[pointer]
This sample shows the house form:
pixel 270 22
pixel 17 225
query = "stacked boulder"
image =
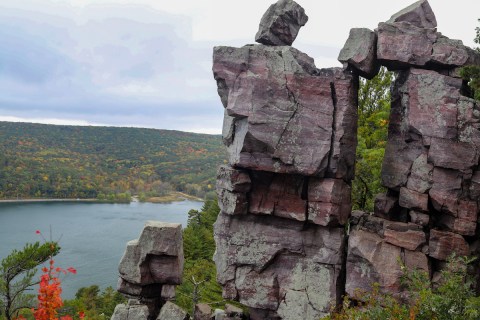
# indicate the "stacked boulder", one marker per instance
pixel 290 131
pixel 150 269
pixel 431 163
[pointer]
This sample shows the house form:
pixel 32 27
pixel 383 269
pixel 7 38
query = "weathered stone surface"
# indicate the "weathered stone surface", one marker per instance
pixel 419 218
pixel 329 201
pixel 171 311
pixel 371 260
pixel 452 154
pixel 159 243
pixel 419 14
pixel 359 52
pixel 233 311
pixel 457 225
pixel 234 180
pixel 475 186
pixel 280 24
pixel 405 235
pixel 341 164
pixel 131 311
pixel 268 258
pixel 283 109
pixel 413 200
pixel 202 312
pixel 278 194
pixel 232 202
pixel 442 244
pixel 421 175
pixel 168 292
pixel 402 45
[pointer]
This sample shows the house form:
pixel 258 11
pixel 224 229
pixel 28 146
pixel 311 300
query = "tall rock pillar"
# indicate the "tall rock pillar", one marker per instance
pixel 290 131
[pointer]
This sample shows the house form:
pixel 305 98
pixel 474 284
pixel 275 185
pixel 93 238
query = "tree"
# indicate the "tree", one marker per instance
pixel 17 273
pixel 472 73
pixel 373 117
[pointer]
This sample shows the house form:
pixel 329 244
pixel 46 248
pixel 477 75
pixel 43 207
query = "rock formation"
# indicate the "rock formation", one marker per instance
pixel 290 133
pixel 150 269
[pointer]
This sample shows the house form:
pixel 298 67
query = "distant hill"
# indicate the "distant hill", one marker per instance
pixel 51 161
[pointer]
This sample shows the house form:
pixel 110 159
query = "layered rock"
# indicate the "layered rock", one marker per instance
pixel 285 195
pixel 430 209
pixel 290 133
pixel 150 268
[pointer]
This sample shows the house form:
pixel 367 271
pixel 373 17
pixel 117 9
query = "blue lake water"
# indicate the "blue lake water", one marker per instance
pixel 92 236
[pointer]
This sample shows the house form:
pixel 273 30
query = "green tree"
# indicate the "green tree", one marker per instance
pixel 373 117
pixel 199 277
pixel 472 73
pixel 17 273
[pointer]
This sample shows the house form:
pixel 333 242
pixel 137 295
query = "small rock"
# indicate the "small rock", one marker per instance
pixel 443 244
pixel 419 14
pixel 171 311
pixel 413 200
pixel 280 23
pixel 202 312
pixel 419 218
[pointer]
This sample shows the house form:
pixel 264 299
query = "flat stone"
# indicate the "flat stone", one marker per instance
pixel 359 52
pixel 419 14
pixel 401 45
pixel 280 23
pixel 413 200
pixel 457 225
pixel 443 244
pixel 405 235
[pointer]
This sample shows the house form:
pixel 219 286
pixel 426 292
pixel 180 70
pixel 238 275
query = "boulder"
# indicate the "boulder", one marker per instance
pixel 359 52
pixel 202 312
pixel 284 111
pixel 171 311
pixel 419 218
pixel 156 257
pixel 421 175
pixel 280 23
pixel 419 14
pixel 443 244
pixel 405 235
pixel 133 310
pixel 413 200
pixel 265 262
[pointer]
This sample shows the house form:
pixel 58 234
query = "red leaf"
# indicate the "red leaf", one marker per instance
pixel 72 270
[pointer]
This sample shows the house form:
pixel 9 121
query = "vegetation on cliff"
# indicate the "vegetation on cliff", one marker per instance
pixel 49 161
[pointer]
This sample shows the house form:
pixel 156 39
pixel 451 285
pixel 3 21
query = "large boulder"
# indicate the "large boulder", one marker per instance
pixel 280 24
pixel 285 111
pixel 359 52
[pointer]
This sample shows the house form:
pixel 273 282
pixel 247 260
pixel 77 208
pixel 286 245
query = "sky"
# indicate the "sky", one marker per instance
pixel 147 63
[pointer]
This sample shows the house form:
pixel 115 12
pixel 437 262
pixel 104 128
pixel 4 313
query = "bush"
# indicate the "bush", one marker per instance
pixel 450 298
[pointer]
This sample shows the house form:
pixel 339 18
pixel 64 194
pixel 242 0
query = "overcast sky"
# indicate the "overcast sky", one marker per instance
pixel 147 63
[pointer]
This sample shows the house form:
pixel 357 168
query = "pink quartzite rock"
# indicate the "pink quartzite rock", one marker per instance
pixel 458 225
pixel 359 52
pixel 402 45
pixel 154 259
pixel 278 194
pixel 413 200
pixel 267 263
pixel 405 235
pixel 419 14
pixel 443 244
pixel 280 24
pixel 329 201
pixel 421 175
pixel 232 187
pixel 284 111
pixel 385 206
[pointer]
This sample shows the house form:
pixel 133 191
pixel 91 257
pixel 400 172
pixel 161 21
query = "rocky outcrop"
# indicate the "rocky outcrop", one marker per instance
pixel 150 268
pixel 430 209
pixel 290 132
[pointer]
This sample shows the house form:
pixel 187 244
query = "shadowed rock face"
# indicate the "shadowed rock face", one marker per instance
pixel 290 132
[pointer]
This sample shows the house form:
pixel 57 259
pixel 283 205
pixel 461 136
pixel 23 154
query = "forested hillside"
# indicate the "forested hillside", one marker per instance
pixel 51 161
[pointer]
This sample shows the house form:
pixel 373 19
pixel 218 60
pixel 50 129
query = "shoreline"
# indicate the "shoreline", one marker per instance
pixel 174 197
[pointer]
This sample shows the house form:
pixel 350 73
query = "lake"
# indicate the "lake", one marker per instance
pixel 92 236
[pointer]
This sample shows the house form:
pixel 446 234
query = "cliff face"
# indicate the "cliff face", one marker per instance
pixel 290 132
